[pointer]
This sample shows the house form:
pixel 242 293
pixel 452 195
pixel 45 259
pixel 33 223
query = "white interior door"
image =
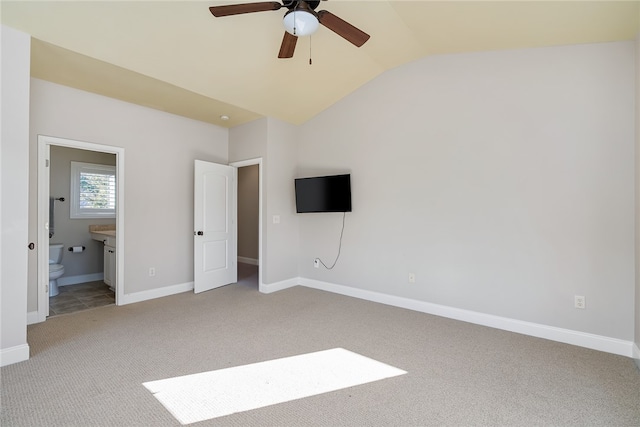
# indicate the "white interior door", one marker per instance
pixel 215 234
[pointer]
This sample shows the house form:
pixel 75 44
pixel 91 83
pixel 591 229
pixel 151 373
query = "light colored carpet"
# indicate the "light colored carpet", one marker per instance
pixel 87 368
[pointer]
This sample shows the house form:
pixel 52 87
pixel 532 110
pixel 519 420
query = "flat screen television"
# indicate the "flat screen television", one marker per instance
pixel 323 194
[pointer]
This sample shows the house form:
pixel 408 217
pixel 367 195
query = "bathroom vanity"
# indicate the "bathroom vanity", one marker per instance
pixel 108 238
pixel 110 262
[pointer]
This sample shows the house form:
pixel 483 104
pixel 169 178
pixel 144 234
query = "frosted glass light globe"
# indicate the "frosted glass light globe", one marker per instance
pixel 300 23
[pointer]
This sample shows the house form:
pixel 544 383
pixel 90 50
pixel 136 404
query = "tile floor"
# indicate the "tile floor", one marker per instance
pixel 97 294
pixel 81 297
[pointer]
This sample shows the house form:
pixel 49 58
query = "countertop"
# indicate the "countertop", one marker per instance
pixel 102 230
pixel 110 233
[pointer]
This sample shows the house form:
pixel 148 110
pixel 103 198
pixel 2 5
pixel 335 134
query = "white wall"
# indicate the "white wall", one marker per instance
pixel 282 152
pixel 160 150
pixel 503 180
pixel 276 143
pixel 247 142
pixel 14 150
pixel 637 165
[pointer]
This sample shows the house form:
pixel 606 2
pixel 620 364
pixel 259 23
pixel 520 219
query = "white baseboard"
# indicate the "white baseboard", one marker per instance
pixel 11 355
pixel 278 286
pixel 246 260
pixel 83 278
pixel 155 293
pixel 582 339
pixel 636 352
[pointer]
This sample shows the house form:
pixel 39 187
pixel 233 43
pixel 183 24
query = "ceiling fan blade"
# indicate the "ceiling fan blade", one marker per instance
pixel 237 9
pixel 288 45
pixel 342 28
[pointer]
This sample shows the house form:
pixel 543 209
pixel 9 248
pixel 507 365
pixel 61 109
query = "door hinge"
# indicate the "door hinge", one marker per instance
pixel 46 288
pixel 46 163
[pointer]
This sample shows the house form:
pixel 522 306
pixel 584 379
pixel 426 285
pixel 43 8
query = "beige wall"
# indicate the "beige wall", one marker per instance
pixel 248 211
pixel 75 232
pixel 159 154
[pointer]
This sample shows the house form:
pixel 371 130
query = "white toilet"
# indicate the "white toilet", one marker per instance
pixel 56 269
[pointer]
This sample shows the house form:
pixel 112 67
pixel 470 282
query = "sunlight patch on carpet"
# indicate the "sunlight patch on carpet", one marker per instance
pixel 199 397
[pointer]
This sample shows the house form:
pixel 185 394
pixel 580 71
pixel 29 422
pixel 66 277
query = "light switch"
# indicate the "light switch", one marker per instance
pixel 276 219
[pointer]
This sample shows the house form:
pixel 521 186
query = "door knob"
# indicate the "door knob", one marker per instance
pixel 200 233
pixel 31 246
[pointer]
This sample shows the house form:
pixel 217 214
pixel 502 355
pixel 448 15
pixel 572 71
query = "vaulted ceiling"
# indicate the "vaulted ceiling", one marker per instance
pixel 176 57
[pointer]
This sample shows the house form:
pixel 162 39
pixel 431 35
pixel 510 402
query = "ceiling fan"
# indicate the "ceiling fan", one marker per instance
pixel 300 20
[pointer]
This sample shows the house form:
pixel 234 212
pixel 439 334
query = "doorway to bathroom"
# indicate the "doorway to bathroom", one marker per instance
pixel 79 246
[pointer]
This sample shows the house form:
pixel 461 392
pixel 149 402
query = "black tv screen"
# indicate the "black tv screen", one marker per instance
pixel 323 194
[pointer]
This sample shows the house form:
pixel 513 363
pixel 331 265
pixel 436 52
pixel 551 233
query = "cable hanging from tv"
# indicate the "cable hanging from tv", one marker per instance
pixel 344 215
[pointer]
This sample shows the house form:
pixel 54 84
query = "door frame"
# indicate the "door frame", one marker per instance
pixel 44 144
pixel 251 162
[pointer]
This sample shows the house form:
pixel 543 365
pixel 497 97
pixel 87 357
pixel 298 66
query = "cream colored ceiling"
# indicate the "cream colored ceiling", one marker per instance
pixel 175 56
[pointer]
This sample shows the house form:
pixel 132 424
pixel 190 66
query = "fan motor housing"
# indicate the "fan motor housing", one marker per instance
pixel 291 4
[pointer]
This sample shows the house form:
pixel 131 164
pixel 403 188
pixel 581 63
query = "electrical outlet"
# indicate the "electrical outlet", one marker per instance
pixel 579 302
pixel 412 277
pixel 316 263
pixel 152 272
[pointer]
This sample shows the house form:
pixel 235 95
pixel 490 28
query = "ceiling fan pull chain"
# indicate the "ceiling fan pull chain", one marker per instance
pixel 294 23
pixel 310 63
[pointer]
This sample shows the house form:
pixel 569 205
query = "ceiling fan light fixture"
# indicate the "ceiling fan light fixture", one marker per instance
pixel 300 23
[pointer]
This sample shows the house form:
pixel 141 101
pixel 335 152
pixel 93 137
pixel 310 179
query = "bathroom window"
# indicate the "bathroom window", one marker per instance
pixel 93 190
